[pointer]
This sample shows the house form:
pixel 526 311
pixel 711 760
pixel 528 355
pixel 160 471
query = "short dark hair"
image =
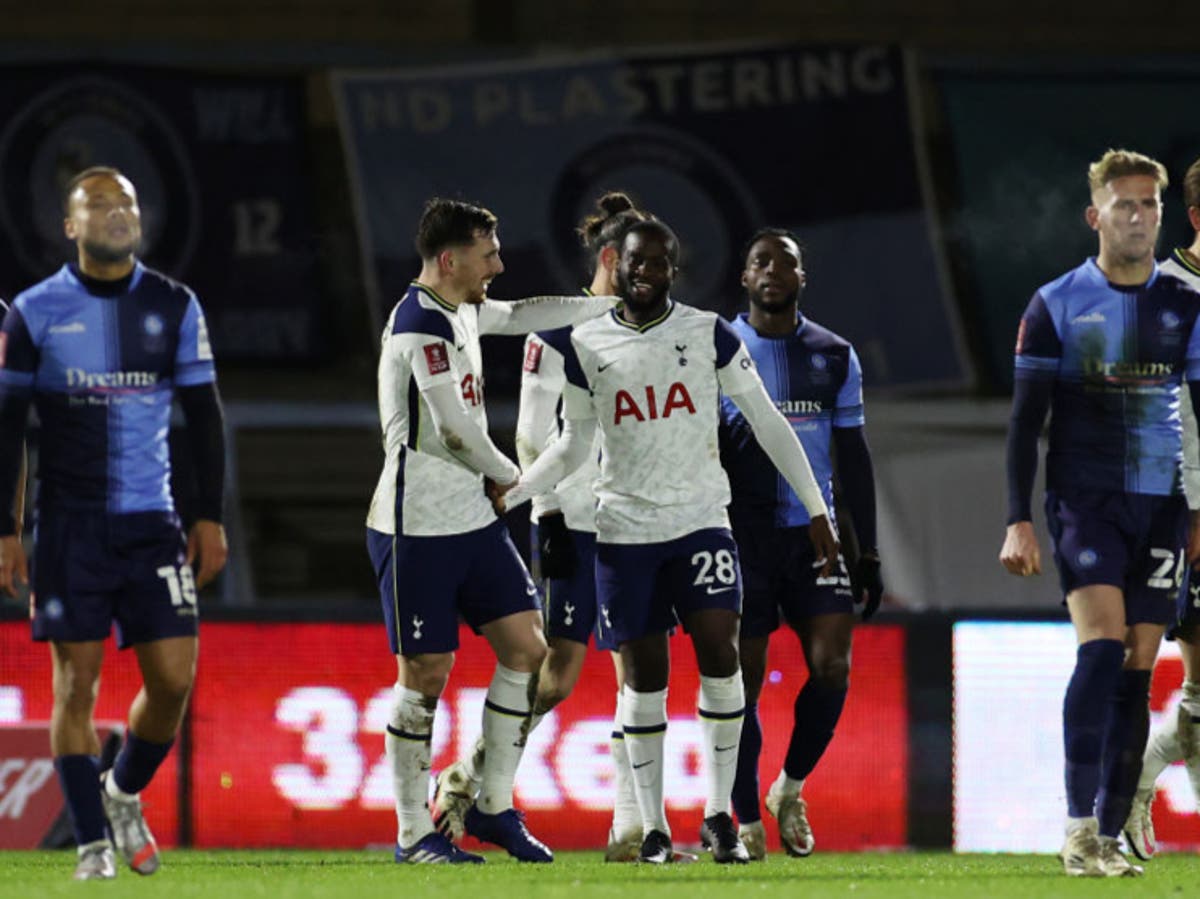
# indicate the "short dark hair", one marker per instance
pixel 781 233
pixel 80 177
pixel 615 213
pixel 660 230
pixel 1191 185
pixel 451 223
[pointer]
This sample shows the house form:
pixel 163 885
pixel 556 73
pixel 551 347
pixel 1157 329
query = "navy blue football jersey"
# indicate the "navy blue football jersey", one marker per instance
pixel 102 371
pixel 1117 356
pixel 815 379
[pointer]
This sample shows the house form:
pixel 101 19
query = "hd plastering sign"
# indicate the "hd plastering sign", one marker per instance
pixel 817 139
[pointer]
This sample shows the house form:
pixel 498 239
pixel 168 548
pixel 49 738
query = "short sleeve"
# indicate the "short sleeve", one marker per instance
pixel 193 358
pixel 849 410
pixel 572 370
pixel 18 353
pixel 544 365
pixel 428 358
pixel 738 373
pixel 1039 345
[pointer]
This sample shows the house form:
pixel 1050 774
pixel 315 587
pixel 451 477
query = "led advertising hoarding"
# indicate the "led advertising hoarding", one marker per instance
pixel 286 745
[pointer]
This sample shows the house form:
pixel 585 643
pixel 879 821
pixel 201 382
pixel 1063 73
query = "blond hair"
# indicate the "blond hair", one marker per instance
pixel 1119 163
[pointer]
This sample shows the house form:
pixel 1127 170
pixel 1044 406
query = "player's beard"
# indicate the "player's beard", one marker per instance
pixel 476 295
pixel 624 289
pixel 774 307
pixel 110 253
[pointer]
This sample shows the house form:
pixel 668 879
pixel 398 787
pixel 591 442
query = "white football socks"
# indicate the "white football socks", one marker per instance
pixel 505 726
pixel 644 720
pixel 626 815
pixel 722 707
pixel 409 732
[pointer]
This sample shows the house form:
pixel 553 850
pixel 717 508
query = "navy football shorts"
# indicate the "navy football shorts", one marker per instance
pixel 1187 606
pixel 1131 541
pixel 426 583
pixel 779 579
pixel 92 568
pixel 571 611
pixel 646 588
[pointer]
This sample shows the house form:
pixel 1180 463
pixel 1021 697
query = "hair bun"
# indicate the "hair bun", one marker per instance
pixel 614 202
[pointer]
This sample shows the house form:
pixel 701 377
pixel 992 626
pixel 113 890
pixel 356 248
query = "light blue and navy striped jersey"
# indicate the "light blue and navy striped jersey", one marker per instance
pixel 101 365
pixel 815 379
pixel 1116 355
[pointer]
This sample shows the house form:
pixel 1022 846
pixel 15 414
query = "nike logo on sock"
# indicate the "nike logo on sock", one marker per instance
pixel 726 748
pixel 642 765
pixel 600 368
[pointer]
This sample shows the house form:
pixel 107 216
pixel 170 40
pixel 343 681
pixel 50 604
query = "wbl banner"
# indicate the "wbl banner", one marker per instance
pixel 813 138
pixel 287 746
pixel 218 162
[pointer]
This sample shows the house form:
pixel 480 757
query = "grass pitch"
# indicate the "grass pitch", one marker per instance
pixel 583 875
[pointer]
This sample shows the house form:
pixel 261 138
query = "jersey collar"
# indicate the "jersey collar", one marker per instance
pixel 801 324
pixel 1180 257
pixel 642 329
pixel 433 295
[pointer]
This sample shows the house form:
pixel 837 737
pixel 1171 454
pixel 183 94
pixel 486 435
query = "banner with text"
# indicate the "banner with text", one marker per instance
pixel 288 720
pixel 218 163
pixel 718 144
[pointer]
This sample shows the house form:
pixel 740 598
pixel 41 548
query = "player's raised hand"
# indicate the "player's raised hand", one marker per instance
pixel 867 579
pixel 206 542
pixel 825 544
pixel 556 550
pixel 1021 554
pixel 13 569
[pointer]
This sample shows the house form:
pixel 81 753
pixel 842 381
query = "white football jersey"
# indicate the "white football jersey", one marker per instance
pixel 544 370
pixel 654 390
pixel 423 490
pixel 1179 266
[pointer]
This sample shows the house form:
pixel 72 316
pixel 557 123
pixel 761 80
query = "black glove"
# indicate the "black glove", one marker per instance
pixel 555 547
pixel 866 579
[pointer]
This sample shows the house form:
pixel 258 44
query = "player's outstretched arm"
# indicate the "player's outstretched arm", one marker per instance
pixel 539 313
pixel 565 455
pixel 463 437
pixel 786 453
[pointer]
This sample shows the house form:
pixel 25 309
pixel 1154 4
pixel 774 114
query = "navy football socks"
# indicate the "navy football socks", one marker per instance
pixel 1085 710
pixel 817 710
pixel 137 761
pixel 1125 734
pixel 79 777
pixel 745 784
